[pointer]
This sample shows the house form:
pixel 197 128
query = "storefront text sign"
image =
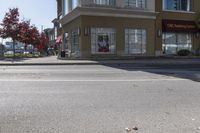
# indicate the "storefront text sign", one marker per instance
pixel 179 26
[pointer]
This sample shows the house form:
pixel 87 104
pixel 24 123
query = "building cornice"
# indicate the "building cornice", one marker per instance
pixel 54 20
pixel 107 12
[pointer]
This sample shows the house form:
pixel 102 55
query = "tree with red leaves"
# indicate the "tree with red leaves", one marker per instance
pixel 25 33
pixel 30 35
pixel 43 42
pixel 35 36
pixel 22 31
pixel 10 26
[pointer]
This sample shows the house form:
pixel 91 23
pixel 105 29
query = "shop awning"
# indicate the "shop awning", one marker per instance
pixel 179 26
pixel 59 40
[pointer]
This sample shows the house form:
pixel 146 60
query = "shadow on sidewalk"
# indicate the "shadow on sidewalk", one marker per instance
pixel 13 59
pixel 18 59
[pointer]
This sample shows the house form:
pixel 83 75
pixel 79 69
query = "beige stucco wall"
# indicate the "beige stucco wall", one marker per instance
pixel 76 23
pixel 119 24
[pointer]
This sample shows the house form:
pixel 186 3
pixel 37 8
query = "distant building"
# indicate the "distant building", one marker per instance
pixel 53 33
pixel 107 28
pixel 19 47
pixel 51 36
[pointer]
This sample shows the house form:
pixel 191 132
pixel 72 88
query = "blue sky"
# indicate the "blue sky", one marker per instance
pixel 40 12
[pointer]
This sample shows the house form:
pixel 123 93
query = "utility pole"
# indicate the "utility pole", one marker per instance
pixel 41 28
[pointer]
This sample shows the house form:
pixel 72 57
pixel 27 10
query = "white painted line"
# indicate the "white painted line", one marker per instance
pixel 100 80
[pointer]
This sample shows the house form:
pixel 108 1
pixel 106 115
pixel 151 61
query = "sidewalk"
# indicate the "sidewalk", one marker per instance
pixel 52 60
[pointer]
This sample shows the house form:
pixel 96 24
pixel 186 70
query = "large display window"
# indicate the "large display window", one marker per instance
pixel 103 40
pixel 135 41
pixel 75 41
pixel 173 42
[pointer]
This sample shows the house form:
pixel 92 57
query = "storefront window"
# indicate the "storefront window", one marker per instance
pixel 177 5
pixel 66 6
pixel 173 42
pixel 75 41
pixel 105 2
pixel 75 3
pixel 66 40
pixel 69 5
pixel 103 40
pixel 56 32
pixel 135 41
pixel 136 3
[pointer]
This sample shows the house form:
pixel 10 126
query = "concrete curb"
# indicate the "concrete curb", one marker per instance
pixel 140 63
pixel 43 64
pixel 136 61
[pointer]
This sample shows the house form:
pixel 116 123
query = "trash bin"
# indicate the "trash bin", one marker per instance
pixel 62 54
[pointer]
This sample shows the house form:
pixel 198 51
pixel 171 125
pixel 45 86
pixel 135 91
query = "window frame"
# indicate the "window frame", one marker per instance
pixel 75 41
pixel 127 45
pixel 75 3
pixel 112 45
pixel 105 2
pixel 189 7
pixel 176 42
pixel 143 6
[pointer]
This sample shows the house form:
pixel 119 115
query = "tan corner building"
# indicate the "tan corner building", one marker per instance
pixel 109 28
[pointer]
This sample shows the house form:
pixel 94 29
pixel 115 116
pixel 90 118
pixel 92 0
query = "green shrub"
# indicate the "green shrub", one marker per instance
pixel 183 52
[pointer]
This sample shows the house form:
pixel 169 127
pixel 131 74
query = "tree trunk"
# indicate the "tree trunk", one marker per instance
pixel 13 48
pixel 25 47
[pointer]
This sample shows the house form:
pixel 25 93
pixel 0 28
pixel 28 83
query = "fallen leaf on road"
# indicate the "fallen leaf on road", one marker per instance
pixel 128 129
pixel 135 128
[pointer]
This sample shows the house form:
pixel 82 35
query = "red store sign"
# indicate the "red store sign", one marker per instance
pixel 179 26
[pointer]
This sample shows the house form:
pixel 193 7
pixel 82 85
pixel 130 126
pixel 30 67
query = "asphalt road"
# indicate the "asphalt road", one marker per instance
pixel 99 99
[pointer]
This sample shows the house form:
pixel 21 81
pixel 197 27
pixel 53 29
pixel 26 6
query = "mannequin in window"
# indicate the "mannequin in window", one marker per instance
pixel 103 43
